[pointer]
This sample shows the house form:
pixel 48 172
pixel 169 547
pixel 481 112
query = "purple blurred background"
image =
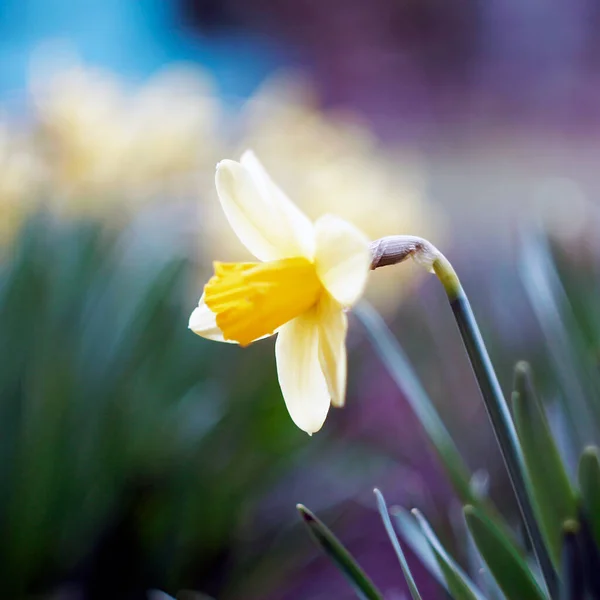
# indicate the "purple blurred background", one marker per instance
pixel 499 101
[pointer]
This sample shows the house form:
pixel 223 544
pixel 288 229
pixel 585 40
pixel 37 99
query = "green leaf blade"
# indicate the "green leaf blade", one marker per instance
pixel 387 522
pixel 363 586
pixel 459 584
pixel 502 557
pixel 413 536
pixel 401 371
pixel 553 496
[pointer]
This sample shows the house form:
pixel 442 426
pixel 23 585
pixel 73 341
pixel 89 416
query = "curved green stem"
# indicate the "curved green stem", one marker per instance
pixel 402 247
pixel 503 426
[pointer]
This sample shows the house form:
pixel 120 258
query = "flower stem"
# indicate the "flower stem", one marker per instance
pixel 502 424
pixel 497 408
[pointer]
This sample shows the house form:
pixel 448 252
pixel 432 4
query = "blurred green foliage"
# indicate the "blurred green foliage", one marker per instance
pixel 135 455
pixel 130 451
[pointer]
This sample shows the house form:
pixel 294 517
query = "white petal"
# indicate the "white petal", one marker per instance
pixel 301 378
pixel 342 258
pixel 267 222
pixel 333 326
pixel 204 322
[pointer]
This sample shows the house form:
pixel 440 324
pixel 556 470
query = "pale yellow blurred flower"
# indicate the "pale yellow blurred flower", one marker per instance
pixel 173 129
pixel 108 145
pixel 309 276
pixel 331 163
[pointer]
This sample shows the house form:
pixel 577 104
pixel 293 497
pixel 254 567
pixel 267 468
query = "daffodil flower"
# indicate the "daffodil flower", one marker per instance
pixel 309 276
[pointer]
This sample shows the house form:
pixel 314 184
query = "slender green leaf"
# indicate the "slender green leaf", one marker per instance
pixel 459 584
pixel 418 543
pixel 572 581
pixel 361 583
pixel 502 557
pixel 398 366
pixel 589 485
pixel 387 522
pixel 553 497
pixel 577 377
pixel 481 574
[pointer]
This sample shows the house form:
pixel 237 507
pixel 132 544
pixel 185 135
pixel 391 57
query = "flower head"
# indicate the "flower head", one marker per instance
pixel 308 276
pixel 332 162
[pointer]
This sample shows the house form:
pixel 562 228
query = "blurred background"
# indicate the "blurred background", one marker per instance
pixel 135 456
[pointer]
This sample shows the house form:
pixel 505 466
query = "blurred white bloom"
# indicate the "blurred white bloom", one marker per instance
pixel 105 142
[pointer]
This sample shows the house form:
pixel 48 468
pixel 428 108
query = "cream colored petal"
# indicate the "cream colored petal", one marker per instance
pixel 342 258
pixel 333 326
pixel 262 216
pixel 301 378
pixel 204 323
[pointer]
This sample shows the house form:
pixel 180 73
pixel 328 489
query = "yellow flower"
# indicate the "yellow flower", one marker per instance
pixel 309 275
pixel 334 163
